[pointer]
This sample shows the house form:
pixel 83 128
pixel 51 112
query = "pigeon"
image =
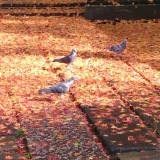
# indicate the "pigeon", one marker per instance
pixel 118 49
pixel 59 88
pixel 69 59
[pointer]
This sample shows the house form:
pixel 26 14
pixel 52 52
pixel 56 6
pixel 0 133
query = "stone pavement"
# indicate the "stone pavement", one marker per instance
pixel 59 135
pixel 11 143
pixel 129 122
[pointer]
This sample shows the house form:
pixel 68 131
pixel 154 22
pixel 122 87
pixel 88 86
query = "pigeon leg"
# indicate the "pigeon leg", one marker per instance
pixel 61 96
pixel 69 66
pixel 117 56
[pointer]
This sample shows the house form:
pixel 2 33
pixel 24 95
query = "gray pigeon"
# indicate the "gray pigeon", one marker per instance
pixel 59 88
pixel 118 49
pixel 68 59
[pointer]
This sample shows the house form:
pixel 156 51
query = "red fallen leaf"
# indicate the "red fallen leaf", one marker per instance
pixel 52 157
pixel 44 145
pixel 9 132
pixel 127 120
pixel 21 150
pixel 152 100
pixel 120 143
pixel 105 126
pixel 112 69
pixel 1 112
pixel 18 118
pixel 21 145
pixel 131 138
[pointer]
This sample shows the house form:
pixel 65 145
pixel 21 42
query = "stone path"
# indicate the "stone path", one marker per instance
pixel 123 125
pixel 62 135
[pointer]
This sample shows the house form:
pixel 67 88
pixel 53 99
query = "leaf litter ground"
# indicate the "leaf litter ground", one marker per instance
pixel 28 46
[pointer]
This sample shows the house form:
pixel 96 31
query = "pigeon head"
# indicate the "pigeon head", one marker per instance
pixel 70 81
pixel 73 78
pixel 125 41
pixel 74 50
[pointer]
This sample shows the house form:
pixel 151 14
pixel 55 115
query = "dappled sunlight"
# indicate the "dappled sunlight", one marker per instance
pixel 52 34
pixel 143 40
pixel 43 39
pixel 29 73
pixel 150 73
pixel 27 51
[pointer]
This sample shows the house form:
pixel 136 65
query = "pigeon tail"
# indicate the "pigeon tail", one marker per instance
pixel 109 48
pixel 46 90
pixel 57 60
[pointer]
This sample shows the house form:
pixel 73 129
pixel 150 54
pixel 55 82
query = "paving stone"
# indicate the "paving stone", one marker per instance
pixel 60 133
pixel 149 112
pixel 68 141
pixel 148 72
pixel 34 123
pixel 8 143
pixel 119 129
pixel 143 155
pixel 134 87
pixel 8 127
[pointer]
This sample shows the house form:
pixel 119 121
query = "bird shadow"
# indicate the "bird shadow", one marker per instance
pixel 41 99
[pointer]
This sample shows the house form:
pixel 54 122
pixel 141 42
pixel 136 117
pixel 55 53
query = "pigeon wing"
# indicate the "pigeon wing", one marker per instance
pixel 65 59
pixel 60 88
pixel 116 48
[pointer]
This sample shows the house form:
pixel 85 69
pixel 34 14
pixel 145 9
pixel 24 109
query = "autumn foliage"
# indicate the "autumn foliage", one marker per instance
pixel 28 46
